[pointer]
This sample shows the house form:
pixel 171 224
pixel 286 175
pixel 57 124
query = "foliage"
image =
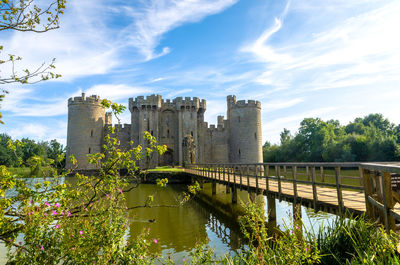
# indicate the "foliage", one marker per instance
pixel 355 241
pixel 372 138
pixel 28 153
pixel 33 16
pixel 55 221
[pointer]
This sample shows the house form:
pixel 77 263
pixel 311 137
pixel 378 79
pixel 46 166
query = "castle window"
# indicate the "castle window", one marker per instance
pixel 168 133
pixel 191 133
pixel 89 150
pixel 191 115
pixel 151 133
pixel 255 135
pixel 239 153
pixel 91 133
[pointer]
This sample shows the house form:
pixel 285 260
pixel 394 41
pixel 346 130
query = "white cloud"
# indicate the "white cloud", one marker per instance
pixel 359 50
pixel 280 104
pixel 41 132
pixel 117 91
pixel 158 17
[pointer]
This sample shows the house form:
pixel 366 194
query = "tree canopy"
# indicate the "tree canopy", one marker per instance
pixel 372 138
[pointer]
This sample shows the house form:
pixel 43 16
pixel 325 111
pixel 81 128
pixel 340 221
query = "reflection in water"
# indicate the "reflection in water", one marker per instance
pixel 179 229
pixel 211 219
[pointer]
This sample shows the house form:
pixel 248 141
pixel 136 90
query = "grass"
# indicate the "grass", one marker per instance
pixel 20 171
pixel 166 169
pixel 26 172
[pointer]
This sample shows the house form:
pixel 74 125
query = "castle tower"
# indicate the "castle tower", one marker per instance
pixel 145 117
pixel 245 139
pixel 86 120
pixel 189 112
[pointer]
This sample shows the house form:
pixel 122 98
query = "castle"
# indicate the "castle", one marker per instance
pixel 179 124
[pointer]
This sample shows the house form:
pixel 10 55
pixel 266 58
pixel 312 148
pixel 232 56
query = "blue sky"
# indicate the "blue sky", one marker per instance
pixel 335 59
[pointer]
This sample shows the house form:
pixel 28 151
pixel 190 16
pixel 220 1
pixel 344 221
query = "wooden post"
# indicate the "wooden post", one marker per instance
pixel 314 189
pixel 388 201
pixel 308 173
pixel 266 172
pixel 228 189
pixel 294 174
pixel 248 178
pixel 214 187
pixel 224 172
pixel 234 194
pixel 322 174
pixel 339 190
pixel 240 177
pixel 297 221
pixel 252 196
pixel 278 175
pixel 219 172
pixel 255 168
pixel 368 191
pixel 360 172
pixel 271 209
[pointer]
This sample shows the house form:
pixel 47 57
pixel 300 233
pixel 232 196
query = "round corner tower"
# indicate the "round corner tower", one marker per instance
pixel 245 139
pixel 86 120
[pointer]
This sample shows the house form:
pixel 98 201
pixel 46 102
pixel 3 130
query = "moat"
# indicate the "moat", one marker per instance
pixel 179 229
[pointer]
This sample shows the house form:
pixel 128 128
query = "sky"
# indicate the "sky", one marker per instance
pixel 333 59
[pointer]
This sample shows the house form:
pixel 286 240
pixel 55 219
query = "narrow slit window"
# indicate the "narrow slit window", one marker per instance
pixel 151 133
pixel 191 133
pixel 168 133
pixel 239 153
pixel 255 135
pixel 89 150
pixel 91 133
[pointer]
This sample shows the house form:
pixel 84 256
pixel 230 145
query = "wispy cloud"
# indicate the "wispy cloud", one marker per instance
pixel 360 50
pixel 155 18
pixel 117 91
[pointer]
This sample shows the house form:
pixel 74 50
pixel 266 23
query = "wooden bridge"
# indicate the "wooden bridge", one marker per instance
pixel 357 188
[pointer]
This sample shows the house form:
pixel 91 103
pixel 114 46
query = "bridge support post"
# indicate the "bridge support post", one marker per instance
pixel 388 203
pixel 271 209
pixel 234 194
pixel 201 182
pixel 368 191
pixel 214 187
pixel 252 196
pixel 297 221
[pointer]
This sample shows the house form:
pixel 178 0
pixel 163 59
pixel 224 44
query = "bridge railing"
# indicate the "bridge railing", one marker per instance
pixel 374 180
pixel 382 183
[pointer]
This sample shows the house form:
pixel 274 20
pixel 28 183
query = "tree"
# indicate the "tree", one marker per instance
pixel 24 16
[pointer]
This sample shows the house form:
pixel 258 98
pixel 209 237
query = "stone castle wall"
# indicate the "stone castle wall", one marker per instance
pixel 86 120
pixel 236 139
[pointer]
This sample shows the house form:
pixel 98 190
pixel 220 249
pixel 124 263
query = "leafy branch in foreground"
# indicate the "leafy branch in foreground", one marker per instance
pixel 24 16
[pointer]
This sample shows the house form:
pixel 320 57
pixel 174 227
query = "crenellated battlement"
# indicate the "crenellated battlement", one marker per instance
pixel 141 102
pixel 247 104
pixel 156 102
pixel 213 128
pixel 189 103
pixel 93 99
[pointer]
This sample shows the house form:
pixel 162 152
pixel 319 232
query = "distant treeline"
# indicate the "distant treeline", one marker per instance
pixel 27 150
pixel 372 138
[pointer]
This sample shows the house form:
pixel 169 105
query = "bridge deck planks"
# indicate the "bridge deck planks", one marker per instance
pixel 352 200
